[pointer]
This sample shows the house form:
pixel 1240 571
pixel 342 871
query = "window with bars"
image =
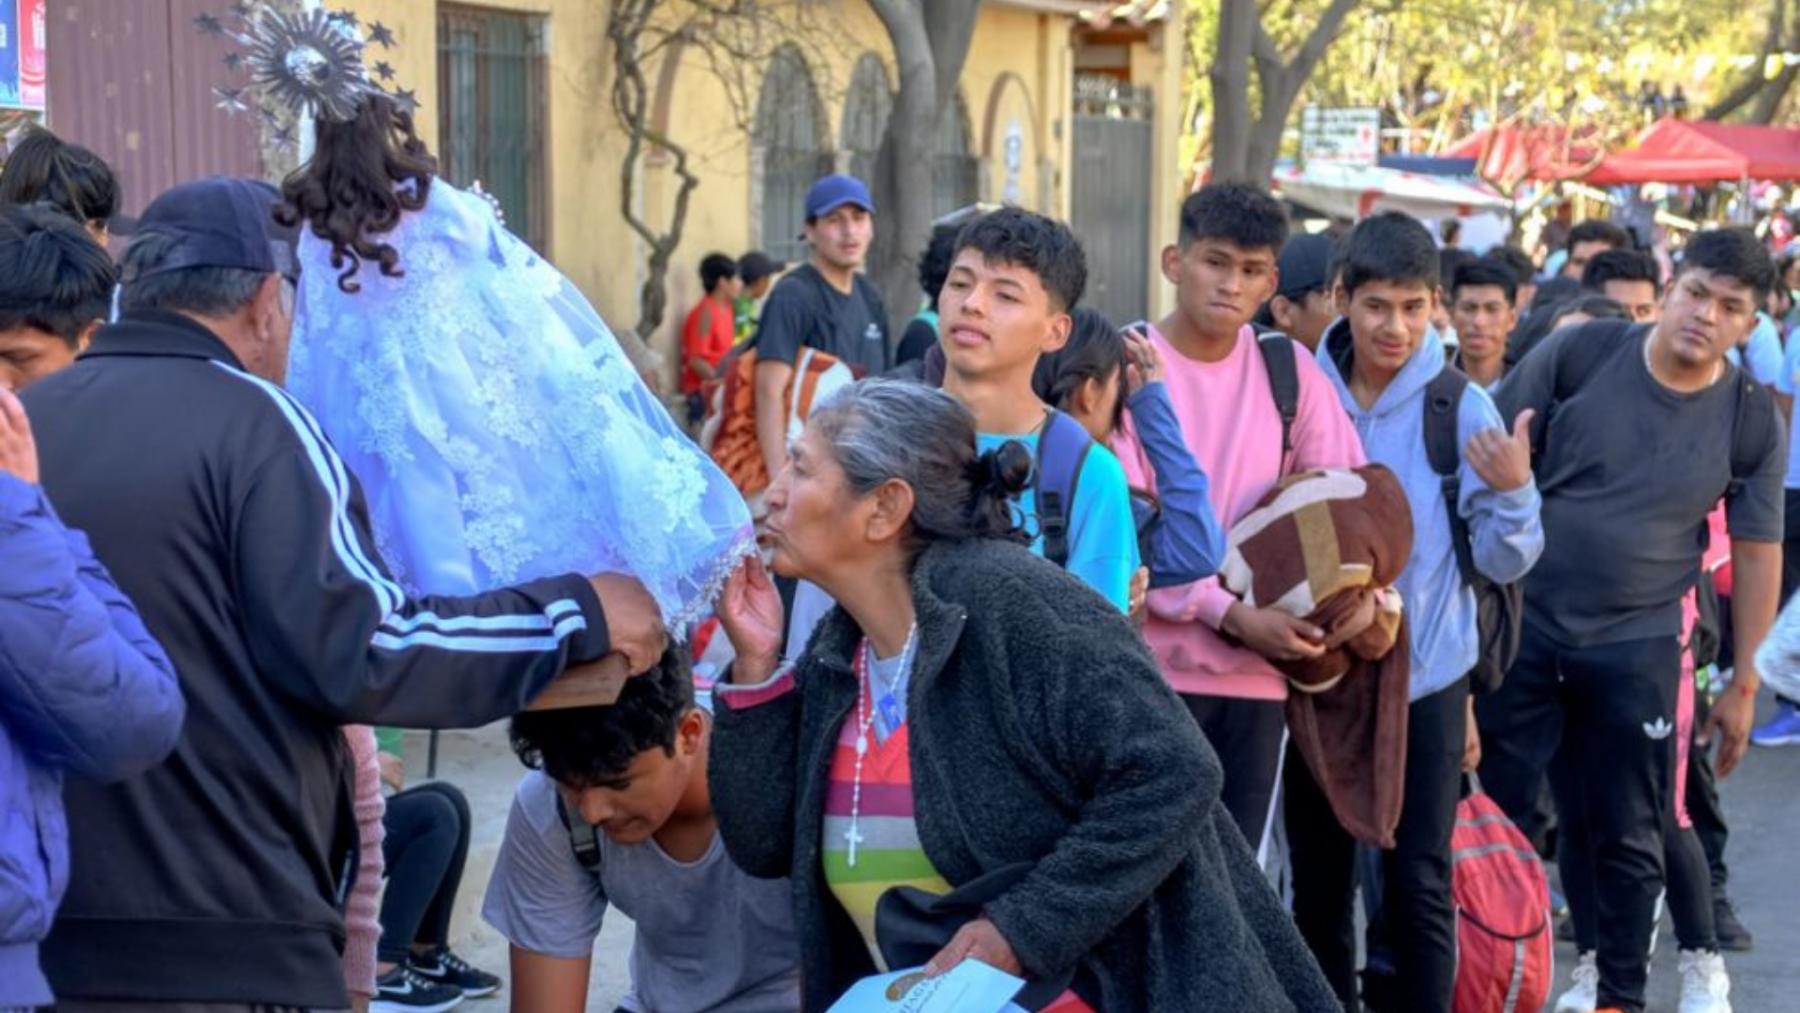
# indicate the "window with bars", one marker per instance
pixel 794 154
pixel 956 171
pixel 491 114
pixel 866 111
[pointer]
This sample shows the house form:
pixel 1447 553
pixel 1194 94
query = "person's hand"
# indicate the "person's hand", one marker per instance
pixel 1140 587
pixel 18 451
pixel 1273 634
pixel 1503 461
pixel 1143 363
pixel 1471 742
pixel 1729 724
pixel 982 941
pixel 633 621
pixel 393 770
pixel 751 614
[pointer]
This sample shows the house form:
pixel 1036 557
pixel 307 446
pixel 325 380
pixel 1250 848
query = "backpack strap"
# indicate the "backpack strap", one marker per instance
pixel 1749 431
pixel 583 838
pixel 1442 409
pixel 1062 450
pixel 1284 385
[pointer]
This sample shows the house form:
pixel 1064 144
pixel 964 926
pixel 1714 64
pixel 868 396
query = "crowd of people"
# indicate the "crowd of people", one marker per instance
pixel 1024 636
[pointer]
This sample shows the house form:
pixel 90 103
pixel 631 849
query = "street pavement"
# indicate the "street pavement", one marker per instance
pixel 1762 802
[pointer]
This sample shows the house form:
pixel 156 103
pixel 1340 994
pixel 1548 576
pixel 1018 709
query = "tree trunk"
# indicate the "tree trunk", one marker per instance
pixel 931 43
pixel 1230 76
pixel 1250 148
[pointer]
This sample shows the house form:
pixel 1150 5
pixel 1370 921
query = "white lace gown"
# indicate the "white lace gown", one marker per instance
pixel 498 430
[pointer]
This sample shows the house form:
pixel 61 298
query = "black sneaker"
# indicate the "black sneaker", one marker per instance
pixel 446 968
pixel 404 991
pixel 1731 932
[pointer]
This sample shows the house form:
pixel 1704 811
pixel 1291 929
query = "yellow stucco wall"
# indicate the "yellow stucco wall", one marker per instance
pixel 1016 81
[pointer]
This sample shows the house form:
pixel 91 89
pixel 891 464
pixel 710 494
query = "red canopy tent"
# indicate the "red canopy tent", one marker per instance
pixel 1679 151
pixel 1512 154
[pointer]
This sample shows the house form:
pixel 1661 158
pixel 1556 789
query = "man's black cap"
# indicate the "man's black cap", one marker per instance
pixel 221 221
pixel 757 265
pixel 1303 264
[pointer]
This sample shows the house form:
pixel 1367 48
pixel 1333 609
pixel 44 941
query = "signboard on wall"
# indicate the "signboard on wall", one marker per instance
pixel 1340 136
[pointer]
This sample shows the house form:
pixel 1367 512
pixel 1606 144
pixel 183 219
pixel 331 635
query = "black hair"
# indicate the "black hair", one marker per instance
pixel 1037 243
pixel 1515 260
pixel 934 263
pixel 1553 291
pixel 1485 272
pixel 714 268
pixel 1390 247
pixel 881 429
pixel 363 174
pixel 1449 259
pixel 1620 265
pixel 1594 307
pixel 1541 321
pixel 1095 351
pixel 592 747
pixel 1238 213
pixel 206 291
pixel 44 167
pixel 1334 265
pixel 1596 230
pixel 53 276
pixel 1732 253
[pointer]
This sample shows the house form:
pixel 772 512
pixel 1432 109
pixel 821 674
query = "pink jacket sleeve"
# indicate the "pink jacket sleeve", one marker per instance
pixel 361 914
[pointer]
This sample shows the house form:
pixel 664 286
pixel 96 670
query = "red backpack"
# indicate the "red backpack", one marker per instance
pixel 1503 927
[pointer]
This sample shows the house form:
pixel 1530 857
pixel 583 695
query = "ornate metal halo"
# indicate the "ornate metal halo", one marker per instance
pixel 309 62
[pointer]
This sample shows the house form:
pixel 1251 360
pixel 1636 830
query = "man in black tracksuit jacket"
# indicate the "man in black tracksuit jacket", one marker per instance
pixel 220 507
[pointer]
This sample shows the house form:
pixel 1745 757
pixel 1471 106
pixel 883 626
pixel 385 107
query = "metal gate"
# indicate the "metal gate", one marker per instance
pixel 1110 198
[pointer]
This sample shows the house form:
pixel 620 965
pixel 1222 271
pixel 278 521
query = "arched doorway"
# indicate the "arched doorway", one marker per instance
pixel 956 171
pixel 866 109
pixel 791 142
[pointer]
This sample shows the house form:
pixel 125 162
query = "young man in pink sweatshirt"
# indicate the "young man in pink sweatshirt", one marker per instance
pixel 1213 648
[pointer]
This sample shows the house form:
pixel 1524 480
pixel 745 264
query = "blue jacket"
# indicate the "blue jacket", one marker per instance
pixel 1186 543
pixel 1507 533
pixel 83 689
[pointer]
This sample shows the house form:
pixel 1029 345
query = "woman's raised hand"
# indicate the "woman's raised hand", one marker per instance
pixel 751 613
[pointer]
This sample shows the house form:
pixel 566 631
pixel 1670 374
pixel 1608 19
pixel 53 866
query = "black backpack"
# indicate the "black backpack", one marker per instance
pixel 1499 608
pixel 1284 385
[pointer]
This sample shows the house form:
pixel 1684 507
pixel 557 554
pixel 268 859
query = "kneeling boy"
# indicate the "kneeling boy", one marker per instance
pixel 616 812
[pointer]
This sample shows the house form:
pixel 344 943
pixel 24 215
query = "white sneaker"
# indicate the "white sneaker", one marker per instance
pixel 1704 983
pixel 1584 994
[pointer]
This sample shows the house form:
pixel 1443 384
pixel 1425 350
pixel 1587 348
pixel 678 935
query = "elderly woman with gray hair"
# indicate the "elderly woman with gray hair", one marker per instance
pixel 976 756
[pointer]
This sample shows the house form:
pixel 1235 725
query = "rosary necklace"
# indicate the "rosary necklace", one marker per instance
pixel 865 721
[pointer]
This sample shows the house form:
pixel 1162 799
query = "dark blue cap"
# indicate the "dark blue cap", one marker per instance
pixel 221 221
pixel 833 192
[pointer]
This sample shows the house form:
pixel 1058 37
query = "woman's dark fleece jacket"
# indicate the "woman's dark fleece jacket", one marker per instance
pixel 1041 732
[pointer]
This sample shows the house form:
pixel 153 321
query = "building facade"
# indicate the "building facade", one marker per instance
pixel 1064 106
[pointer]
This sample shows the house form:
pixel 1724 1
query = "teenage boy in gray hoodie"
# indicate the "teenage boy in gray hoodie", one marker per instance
pixel 1381 358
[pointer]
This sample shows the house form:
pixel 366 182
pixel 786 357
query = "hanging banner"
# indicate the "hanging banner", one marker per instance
pixel 9 53
pixel 33 71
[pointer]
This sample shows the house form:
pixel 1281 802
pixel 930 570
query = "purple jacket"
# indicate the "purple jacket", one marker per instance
pixel 83 689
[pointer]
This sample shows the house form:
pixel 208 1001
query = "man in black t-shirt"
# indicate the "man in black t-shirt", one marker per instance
pixel 824 304
pixel 1639 432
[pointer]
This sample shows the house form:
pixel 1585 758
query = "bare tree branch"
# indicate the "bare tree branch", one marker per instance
pixel 1754 82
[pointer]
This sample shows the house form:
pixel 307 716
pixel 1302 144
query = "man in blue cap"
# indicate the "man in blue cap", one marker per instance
pixel 217 878
pixel 824 304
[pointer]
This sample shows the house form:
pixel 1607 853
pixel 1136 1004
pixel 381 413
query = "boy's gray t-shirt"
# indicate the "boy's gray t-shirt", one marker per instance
pixel 710 937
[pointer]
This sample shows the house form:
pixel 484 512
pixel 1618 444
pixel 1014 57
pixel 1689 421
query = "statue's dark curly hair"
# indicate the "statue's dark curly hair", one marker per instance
pixel 363 174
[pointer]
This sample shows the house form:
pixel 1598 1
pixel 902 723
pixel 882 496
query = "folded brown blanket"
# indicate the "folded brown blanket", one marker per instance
pixel 1326 546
